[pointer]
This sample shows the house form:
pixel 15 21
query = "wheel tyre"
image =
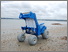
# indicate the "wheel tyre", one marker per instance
pixel 32 40
pixel 21 37
pixel 45 34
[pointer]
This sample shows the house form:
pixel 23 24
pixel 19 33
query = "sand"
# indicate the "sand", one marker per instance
pixel 10 29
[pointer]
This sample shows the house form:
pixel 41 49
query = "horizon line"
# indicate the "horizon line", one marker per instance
pixel 40 19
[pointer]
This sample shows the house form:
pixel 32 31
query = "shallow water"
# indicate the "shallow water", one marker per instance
pixel 18 23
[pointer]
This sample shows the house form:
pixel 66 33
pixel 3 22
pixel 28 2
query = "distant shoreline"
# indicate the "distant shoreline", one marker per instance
pixel 38 19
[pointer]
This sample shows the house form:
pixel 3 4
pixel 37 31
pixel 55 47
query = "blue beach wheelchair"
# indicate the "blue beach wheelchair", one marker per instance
pixel 32 27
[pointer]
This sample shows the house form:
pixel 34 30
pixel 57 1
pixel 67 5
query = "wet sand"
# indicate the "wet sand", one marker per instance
pixel 10 29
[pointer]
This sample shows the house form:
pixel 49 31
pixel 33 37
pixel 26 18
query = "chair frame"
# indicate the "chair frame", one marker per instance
pixel 39 27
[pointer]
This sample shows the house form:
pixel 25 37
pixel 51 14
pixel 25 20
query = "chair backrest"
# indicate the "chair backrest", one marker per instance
pixel 30 22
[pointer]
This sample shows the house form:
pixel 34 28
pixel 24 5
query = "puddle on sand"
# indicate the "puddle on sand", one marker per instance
pixel 56 24
pixel 64 38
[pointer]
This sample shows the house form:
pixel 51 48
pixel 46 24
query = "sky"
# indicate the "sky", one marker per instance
pixel 43 9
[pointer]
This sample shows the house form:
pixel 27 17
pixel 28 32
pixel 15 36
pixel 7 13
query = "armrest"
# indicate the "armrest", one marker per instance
pixel 41 23
pixel 24 28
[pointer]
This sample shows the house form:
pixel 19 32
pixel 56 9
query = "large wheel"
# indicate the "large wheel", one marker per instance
pixel 21 37
pixel 45 34
pixel 32 40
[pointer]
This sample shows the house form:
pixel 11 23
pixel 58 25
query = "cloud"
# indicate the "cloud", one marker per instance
pixel 43 9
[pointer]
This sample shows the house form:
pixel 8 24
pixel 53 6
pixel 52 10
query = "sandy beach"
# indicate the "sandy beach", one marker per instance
pixel 10 29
